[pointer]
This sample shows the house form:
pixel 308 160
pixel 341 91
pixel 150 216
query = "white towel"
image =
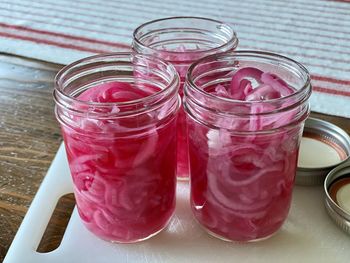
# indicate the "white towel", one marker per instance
pixel 314 32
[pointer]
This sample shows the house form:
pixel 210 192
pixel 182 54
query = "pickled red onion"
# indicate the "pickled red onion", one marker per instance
pixel 241 185
pixel 124 185
pixel 181 57
pixel 269 86
pixel 113 92
pixel 240 85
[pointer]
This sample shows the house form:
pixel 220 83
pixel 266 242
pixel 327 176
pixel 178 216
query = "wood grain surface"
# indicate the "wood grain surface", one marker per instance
pixel 29 139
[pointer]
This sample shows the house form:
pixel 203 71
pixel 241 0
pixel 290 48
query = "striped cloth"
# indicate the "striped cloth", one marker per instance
pixel 314 32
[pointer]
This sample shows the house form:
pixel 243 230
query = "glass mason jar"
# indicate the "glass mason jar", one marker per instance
pixel 121 154
pixel 243 154
pixel 181 41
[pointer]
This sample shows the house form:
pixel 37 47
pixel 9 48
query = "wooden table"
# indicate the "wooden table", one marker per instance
pixel 29 139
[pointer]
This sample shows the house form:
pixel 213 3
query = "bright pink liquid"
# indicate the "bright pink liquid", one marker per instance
pixel 240 192
pixel 124 185
pixel 182 144
pixel 241 183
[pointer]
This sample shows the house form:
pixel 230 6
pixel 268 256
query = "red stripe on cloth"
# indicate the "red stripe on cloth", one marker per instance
pixel 250 13
pixel 141 10
pixel 331 91
pixel 60 11
pixel 290 37
pixel 81 7
pixel 253 18
pixel 306 5
pixel 55 24
pixel 51 43
pixel 235 22
pixel 335 59
pixel 286 52
pixel 311 33
pixel 249 8
pixel 95 41
pixel 342 1
pixel 302 6
pixel 116 34
pixel 119 45
pixel 110 12
pixel 331 80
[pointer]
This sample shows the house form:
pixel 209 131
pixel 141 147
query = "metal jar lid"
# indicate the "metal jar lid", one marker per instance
pixel 330 133
pixel 340 216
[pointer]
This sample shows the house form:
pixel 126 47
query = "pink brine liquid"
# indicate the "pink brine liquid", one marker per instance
pixel 182 41
pixel 241 183
pixel 241 188
pixel 124 185
pixel 182 147
pixel 182 143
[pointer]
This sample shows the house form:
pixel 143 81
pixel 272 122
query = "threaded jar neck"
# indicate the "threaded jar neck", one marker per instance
pixel 184 38
pixel 140 71
pixel 218 69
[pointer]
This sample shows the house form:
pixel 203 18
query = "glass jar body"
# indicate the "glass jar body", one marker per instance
pixel 181 41
pixel 241 185
pixel 243 154
pixel 125 185
pixel 122 155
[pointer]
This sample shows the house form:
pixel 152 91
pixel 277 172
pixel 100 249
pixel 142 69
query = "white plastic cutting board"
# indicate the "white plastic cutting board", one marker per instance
pixel 308 235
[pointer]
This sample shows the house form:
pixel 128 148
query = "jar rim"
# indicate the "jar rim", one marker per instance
pixel 173 82
pixel 233 41
pixel 246 54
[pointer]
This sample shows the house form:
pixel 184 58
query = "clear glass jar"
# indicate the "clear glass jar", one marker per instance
pixel 243 154
pixel 121 154
pixel 181 41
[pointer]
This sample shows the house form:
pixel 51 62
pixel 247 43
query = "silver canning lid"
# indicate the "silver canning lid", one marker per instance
pixel 328 132
pixel 339 215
